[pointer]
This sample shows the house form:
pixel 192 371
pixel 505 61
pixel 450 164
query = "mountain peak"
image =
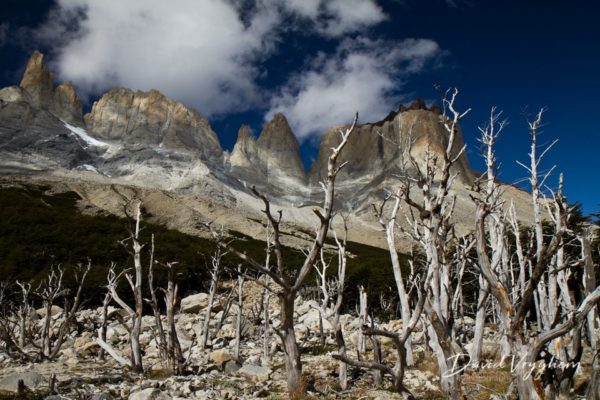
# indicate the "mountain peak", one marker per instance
pixel 273 156
pixel 244 134
pixel 67 104
pixel 37 80
pixel 277 133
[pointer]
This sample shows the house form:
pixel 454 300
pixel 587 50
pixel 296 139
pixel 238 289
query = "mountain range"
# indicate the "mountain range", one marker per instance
pixel 146 145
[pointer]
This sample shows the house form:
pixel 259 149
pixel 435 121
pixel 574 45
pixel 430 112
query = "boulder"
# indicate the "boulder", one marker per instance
pixel 256 373
pixel 31 379
pixel 54 311
pixel 311 320
pixel 102 396
pixel 220 357
pixel 306 306
pixel 150 394
pixel 194 303
pixel 231 366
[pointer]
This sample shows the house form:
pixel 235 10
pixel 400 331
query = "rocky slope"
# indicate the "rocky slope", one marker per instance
pixel 79 372
pixel 153 144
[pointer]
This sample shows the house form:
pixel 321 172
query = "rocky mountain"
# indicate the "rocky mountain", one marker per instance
pixel 146 140
pixel 140 119
pixel 272 162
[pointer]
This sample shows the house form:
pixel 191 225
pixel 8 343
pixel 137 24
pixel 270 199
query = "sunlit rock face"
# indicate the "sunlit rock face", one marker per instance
pixel 150 118
pixel 37 81
pixel 64 102
pixel 147 140
pixel 382 148
pixel 272 162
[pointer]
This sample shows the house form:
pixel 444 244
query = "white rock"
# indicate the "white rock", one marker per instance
pixel 149 394
pixel 255 372
pixel 31 379
pixel 194 303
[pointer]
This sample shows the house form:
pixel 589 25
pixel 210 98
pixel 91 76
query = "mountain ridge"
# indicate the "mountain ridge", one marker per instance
pixel 150 141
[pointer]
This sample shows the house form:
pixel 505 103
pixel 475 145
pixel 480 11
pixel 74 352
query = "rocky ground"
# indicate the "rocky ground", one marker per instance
pixel 213 373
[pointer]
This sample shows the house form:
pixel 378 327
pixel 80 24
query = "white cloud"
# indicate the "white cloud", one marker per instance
pixel 362 76
pixel 205 53
pixel 199 52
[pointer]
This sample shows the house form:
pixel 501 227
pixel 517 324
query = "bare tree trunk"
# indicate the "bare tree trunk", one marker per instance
pixel 136 329
pixel 50 289
pixel 439 342
pixel 160 331
pixel 390 227
pixel 174 353
pixel 293 365
pixel 135 314
pixel 475 354
pixel 214 282
pixel 238 321
pixel 377 374
pixel 290 285
pixel 46 328
pixel 104 323
pixel 324 287
pixel 24 310
pixel 589 284
pixel 362 316
pixel 336 325
pixel 266 326
pixel 70 315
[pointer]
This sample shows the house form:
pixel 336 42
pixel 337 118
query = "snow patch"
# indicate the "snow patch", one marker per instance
pixel 89 167
pixel 83 135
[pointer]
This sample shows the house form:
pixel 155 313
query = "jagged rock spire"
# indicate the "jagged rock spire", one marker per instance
pixel 37 80
pixel 279 149
pixel 64 102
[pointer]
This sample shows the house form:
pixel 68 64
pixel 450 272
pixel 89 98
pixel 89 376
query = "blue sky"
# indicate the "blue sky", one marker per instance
pixel 319 61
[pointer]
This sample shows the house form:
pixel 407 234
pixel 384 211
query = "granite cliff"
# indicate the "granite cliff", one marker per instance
pixel 148 141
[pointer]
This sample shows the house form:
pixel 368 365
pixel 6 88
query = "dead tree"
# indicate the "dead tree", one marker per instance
pixel 173 348
pixel 325 288
pixel 541 285
pixel 589 284
pixel 266 298
pixel 215 273
pixel 288 286
pixel 337 307
pixel 70 313
pixel 239 316
pixel 399 339
pixel 49 290
pixel 135 283
pixel 23 312
pixel 11 323
pixel 389 225
pixel 361 342
pixel 429 221
pixel 495 224
pixel 104 322
pixel 160 336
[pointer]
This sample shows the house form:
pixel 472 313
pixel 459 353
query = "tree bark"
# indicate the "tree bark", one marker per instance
pixel 293 366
